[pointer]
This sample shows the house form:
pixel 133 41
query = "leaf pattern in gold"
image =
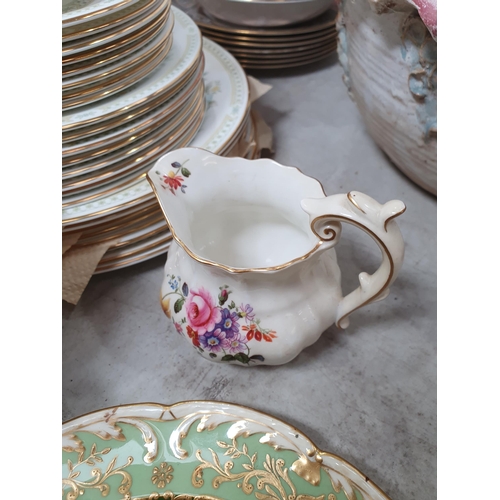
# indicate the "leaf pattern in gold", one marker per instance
pixel 100 477
pixel 271 478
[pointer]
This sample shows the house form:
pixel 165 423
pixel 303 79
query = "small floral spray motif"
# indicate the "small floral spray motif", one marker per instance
pixel 211 88
pixel 214 325
pixel 173 181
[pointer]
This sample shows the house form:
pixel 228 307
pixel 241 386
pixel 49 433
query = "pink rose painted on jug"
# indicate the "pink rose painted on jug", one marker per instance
pixel 202 312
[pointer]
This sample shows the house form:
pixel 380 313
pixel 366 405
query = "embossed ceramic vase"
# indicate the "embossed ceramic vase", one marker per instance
pixel 389 57
pixel 251 277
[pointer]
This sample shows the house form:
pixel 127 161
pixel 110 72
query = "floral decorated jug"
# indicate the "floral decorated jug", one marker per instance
pixel 252 277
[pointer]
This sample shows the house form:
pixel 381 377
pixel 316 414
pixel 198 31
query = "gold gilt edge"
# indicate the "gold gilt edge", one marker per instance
pixel 234 270
pixel 68 21
pixel 122 149
pixel 120 264
pixel 70 70
pixel 146 20
pixel 383 246
pixel 106 22
pixel 120 171
pixel 305 469
pixel 326 20
pixel 288 65
pixel 119 82
pixel 105 71
pixel 168 495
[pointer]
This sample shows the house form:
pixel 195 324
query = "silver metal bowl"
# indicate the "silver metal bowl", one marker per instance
pixel 265 13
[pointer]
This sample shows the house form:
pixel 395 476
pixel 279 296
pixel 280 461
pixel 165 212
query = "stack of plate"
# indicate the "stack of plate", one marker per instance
pixel 108 45
pixel 269 47
pixel 197 96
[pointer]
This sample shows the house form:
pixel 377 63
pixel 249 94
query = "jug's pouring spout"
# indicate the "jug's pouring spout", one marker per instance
pixel 227 213
pixel 358 209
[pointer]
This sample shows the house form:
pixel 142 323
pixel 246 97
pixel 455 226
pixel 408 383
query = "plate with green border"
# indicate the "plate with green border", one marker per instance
pixel 200 450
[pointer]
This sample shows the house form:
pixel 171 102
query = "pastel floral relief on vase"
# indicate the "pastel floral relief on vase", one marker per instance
pixel 214 325
pixel 172 180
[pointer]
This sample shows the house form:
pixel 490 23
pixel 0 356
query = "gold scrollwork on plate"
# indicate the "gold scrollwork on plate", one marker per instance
pixel 99 481
pixel 168 495
pixel 271 476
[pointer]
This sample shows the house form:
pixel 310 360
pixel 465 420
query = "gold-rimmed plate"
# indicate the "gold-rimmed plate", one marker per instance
pixel 71 70
pixel 227 99
pixel 284 56
pixel 277 43
pixel 92 161
pixel 184 54
pixel 242 131
pixel 126 173
pixel 287 63
pixel 114 19
pixel 140 205
pixel 125 236
pixel 138 241
pixel 121 133
pixel 123 169
pixel 131 139
pixel 288 40
pixel 143 256
pixel 78 11
pixel 195 11
pixel 115 34
pixel 103 72
pixel 92 229
pixel 119 42
pixel 165 103
pixel 119 82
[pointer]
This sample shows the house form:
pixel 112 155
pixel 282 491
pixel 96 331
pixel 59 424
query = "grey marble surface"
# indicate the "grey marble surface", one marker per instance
pixel 367 393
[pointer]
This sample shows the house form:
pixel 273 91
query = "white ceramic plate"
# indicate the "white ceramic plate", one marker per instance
pixel 136 259
pixel 166 102
pixel 129 134
pixel 113 35
pixel 81 11
pixel 117 83
pixel 109 180
pixel 184 53
pixel 107 70
pixel 168 132
pixel 226 90
pixel 114 19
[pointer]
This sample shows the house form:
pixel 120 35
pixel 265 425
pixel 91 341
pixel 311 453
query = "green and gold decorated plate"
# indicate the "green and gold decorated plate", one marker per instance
pixel 200 450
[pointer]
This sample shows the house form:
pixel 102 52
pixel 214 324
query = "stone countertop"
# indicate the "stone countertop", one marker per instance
pixel 368 393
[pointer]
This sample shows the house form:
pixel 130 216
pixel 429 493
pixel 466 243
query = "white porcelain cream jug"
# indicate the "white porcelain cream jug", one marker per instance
pixel 252 277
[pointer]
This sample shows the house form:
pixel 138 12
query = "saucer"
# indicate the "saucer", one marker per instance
pixel 200 450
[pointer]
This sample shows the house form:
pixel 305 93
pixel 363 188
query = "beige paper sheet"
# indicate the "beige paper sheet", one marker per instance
pixel 68 240
pixel 257 88
pixel 78 266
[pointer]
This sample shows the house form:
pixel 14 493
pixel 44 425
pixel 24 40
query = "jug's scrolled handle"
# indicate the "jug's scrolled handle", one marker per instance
pixel 375 219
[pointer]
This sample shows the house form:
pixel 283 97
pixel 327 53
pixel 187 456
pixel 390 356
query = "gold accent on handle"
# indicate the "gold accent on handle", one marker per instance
pixel 379 241
pixel 393 217
pixel 350 197
pixel 328 230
